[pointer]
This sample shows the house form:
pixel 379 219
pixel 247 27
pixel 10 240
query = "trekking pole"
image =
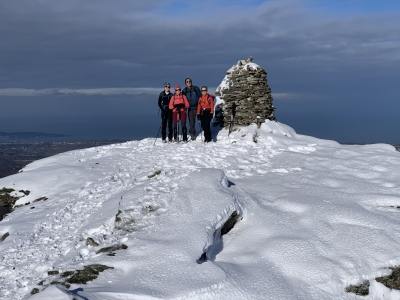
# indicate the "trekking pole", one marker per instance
pixel 233 113
pixel 159 131
pixel 157 135
pixel 201 131
pixel 178 114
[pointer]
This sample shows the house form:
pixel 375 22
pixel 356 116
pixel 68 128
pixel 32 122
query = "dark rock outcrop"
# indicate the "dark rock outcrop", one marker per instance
pixel 6 235
pixel 245 86
pixel 91 242
pixel 112 248
pixel 228 225
pixel 361 289
pixel 391 281
pixel 54 272
pixel 7 201
pixel 88 273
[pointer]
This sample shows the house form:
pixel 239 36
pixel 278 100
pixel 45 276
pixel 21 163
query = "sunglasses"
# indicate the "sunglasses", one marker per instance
pixel 204 90
pixel 177 89
pixel 167 86
pixel 188 81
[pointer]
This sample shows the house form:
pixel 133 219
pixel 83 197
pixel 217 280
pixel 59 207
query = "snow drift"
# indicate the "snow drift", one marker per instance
pixel 312 217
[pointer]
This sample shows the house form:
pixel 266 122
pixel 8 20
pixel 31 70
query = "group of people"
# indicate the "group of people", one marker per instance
pixel 191 103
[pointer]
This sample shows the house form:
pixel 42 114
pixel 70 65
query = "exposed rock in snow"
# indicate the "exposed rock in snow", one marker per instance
pixel 360 289
pixel 91 242
pixel 112 248
pixel 391 281
pixel 6 235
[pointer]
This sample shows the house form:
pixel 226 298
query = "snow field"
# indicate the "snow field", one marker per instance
pixel 317 216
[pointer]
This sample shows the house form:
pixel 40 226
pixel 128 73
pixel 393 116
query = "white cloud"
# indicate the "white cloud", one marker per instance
pixel 21 92
pixel 296 96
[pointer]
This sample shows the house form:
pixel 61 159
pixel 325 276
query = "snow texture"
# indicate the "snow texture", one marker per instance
pixel 315 217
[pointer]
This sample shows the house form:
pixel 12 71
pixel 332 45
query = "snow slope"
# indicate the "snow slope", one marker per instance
pixel 315 216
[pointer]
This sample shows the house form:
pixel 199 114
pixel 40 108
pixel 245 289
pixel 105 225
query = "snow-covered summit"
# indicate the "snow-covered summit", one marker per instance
pixel 313 217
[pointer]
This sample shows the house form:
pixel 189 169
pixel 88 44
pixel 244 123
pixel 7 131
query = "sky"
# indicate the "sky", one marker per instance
pixel 95 67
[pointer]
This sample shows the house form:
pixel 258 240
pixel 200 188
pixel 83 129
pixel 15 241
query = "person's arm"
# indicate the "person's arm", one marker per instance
pixel 212 104
pixel 198 106
pixel 171 103
pixel 159 101
pixel 185 100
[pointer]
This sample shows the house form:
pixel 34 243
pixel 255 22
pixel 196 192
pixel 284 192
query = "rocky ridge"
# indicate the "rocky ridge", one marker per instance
pixel 245 87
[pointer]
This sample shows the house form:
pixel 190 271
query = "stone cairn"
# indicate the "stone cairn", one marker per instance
pixel 244 86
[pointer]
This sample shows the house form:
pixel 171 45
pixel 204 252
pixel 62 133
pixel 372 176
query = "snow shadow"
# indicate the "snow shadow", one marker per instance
pixel 218 244
pixel 214 249
pixel 75 293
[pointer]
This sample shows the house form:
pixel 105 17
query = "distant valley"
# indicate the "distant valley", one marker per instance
pixel 16 155
pixel 29 135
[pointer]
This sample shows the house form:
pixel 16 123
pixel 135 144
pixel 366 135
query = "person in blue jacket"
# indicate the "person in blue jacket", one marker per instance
pixel 192 94
pixel 166 114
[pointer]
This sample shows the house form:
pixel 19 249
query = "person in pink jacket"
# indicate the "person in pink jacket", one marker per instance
pixel 179 104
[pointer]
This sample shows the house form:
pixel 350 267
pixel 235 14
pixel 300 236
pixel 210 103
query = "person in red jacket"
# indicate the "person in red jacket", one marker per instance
pixel 205 112
pixel 179 104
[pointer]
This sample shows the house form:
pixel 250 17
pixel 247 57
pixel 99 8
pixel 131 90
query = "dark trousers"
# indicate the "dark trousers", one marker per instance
pixel 206 117
pixel 166 117
pixel 192 121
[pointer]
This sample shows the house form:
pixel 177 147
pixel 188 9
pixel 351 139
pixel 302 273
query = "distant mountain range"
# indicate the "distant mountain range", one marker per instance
pixel 29 135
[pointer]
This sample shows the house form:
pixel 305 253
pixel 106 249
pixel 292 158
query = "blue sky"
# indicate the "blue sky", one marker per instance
pixel 333 66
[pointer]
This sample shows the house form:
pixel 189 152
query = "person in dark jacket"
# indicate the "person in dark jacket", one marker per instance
pixel 192 94
pixel 166 113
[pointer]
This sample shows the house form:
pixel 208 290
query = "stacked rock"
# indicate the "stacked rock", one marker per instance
pixel 245 86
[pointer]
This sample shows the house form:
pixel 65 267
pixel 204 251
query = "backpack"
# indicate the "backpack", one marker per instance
pixel 208 99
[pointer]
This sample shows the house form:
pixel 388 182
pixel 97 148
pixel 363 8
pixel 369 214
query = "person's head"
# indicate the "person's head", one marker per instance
pixel 204 89
pixel 177 89
pixel 167 86
pixel 188 82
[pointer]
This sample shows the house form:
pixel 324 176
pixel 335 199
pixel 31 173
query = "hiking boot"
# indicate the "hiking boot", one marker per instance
pixel 193 137
pixel 164 140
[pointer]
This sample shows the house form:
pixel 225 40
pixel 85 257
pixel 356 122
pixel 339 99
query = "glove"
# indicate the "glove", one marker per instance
pixel 198 117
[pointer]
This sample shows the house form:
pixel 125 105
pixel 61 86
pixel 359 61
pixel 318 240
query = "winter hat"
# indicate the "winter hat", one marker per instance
pixel 177 87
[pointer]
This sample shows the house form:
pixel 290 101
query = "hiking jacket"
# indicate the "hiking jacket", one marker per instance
pixel 163 100
pixel 178 103
pixel 206 102
pixel 193 94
